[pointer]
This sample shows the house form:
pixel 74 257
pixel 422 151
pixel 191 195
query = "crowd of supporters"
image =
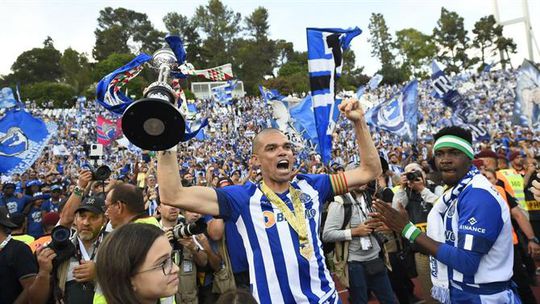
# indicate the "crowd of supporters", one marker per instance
pixel 59 190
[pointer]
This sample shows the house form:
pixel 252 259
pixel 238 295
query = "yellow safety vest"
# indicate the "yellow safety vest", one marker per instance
pixel 516 183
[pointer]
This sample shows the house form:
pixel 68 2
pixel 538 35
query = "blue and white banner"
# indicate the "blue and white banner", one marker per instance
pixel 398 115
pixel 303 119
pixel 360 92
pixel 22 139
pixel 527 103
pixel 195 129
pixel 223 93
pixel 7 99
pixel 325 62
pixel 443 88
pixel 375 81
pixel 270 94
pixel 108 91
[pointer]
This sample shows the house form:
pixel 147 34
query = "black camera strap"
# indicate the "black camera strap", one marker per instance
pixel 78 245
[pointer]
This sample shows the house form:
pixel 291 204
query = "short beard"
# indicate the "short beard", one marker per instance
pixel 87 236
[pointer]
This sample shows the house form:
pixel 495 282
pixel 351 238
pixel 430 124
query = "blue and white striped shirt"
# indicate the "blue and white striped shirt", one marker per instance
pixel 278 273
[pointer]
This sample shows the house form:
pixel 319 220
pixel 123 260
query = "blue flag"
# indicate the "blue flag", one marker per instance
pixel 108 90
pixel 375 81
pixel 526 110
pixel 195 128
pixel 444 89
pixel 269 94
pixel 303 119
pixel 398 115
pixel 22 139
pixel 360 92
pixel 7 100
pixel 223 93
pixel 325 61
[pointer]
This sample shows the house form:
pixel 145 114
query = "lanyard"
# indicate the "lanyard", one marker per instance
pixel 296 220
pixel 5 242
pixel 82 254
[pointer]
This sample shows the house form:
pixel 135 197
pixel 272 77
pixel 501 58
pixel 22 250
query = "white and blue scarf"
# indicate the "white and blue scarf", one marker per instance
pixel 436 230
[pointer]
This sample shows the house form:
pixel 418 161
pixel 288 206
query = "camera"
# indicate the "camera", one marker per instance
pixel 183 230
pixel 101 173
pixel 61 244
pixel 413 175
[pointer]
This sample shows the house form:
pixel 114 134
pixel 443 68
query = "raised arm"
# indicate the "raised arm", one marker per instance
pixel 195 199
pixel 370 165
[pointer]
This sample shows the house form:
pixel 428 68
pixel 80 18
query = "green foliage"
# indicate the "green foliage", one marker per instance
pixel 220 26
pixel 76 70
pixel 380 39
pixel 61 93
pixel 38 64
pixel 490 40
pixel 180 25
pixel 123 31
pixel 417 50
pixel 351 77
pixel 452 42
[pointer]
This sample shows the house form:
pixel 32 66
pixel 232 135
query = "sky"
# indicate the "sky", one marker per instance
pixel 71 23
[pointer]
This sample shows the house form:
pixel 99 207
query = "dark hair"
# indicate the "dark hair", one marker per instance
pixel 130 195
pixel 120 256
pixel 238 296
pixel 456 131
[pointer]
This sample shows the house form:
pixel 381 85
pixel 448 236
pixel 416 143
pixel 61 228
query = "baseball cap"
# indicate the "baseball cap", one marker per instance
pixel 93 204
pixel 487 153
pixel 17 218
pixel 5 219
pixel 514 155
pixel 56 187
pixel 50 219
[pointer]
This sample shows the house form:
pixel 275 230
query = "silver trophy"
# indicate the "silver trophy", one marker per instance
pixel 154 122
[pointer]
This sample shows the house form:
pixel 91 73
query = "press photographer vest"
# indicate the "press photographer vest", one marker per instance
pixel 187 275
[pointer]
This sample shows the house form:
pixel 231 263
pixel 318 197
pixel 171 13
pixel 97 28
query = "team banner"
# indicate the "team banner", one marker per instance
pixel 220 73
pixel 527 102
pixel 108 91
pixel 22 139
pixel 270 94
pixel 107 130
pixel 325 62
pixel 398 115
pixel 223 93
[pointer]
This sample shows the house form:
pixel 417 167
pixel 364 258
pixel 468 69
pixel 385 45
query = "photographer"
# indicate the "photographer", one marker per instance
pixel 188 256
pixel 417 197
pixel 70 264
pixel 17 265
pixel 361 250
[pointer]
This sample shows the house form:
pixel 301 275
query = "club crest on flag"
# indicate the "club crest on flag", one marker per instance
pixel 13 143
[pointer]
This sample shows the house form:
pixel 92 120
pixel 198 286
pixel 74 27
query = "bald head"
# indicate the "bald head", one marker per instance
pixel 257 141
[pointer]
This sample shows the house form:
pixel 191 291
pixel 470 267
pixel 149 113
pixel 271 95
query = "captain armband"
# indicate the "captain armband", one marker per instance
pixel 339 183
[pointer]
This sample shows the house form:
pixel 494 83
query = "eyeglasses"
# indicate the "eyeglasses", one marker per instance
pixel 166 266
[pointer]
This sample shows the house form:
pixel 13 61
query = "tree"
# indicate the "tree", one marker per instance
pixel 452 41
pixel 380 39
pixel 485 30
pixel 351 77
pixel 76 70
pixel 122 31
pixel 62 94
pixel 177 24
pixel 381 47
pixel 38 64
pixel 257 56
pixel 292 76
pixel 417 50
pixel 220 26
pixel 490 40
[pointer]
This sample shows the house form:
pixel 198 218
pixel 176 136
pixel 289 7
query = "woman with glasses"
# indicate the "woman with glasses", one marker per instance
pixel 135 266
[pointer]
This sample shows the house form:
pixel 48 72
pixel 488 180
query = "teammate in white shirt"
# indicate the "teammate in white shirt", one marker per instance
pixel 278 219
pixel 469 233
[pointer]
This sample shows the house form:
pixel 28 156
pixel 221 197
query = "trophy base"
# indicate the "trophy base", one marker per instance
pixel 153 124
